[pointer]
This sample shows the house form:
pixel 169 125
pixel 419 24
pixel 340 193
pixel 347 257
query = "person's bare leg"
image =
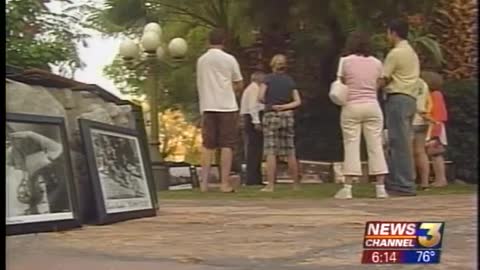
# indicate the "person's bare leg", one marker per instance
pixel 226 162
pixel 207 155
pixel 438 163
pixel 421 161
pixel 348 180
pixel 271 169
pixel 293 169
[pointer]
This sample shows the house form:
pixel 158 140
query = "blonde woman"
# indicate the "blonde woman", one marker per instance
pixel 281 97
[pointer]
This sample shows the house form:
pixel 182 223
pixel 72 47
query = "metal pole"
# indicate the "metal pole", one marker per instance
pixel 160 171
pixel 152 92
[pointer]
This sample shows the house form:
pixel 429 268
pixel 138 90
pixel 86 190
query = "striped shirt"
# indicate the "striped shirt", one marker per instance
pixel 360 75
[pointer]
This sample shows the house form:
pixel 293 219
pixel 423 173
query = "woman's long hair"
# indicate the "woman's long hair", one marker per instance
pixel 358 43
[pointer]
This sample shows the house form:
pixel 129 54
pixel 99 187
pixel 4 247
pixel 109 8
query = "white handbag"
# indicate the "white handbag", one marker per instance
pixel 339 91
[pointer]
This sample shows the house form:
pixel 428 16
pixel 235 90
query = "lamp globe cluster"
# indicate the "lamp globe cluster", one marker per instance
pixel 151 44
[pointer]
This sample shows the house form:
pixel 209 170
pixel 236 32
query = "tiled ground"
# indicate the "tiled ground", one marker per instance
pixel 240 235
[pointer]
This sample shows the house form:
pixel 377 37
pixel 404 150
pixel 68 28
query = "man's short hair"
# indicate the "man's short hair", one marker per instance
pixel 400 27
pixel 258 76
pixel 217 36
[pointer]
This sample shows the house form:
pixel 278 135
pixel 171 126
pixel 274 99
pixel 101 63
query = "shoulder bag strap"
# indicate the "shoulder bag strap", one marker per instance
pixel 340 67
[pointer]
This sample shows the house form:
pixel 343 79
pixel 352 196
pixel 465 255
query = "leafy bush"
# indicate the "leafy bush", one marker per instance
pixel 462 127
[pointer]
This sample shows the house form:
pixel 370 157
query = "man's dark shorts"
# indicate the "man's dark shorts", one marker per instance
pixel 220 129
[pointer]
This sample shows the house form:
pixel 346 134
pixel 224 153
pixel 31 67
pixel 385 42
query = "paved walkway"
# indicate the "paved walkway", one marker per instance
pixel 241 235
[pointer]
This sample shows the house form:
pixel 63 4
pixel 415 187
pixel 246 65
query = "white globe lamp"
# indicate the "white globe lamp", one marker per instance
pixel 153 27
pixel 150 42
pixel 128 49
pixel 178 47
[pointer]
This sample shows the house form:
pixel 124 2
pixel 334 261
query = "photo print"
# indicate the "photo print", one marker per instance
pixel 180 178
pixel 39 180
pixel 315 172
pixel 120 172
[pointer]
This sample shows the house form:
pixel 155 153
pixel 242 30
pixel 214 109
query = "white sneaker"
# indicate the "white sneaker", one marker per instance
pixel 344 194
pixel 381 192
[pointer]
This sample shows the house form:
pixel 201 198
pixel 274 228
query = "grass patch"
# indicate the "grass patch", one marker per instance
pixel 309 191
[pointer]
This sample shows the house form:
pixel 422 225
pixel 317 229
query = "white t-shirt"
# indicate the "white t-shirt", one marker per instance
pixel 216 71
pixel 422 105
pixel 250 104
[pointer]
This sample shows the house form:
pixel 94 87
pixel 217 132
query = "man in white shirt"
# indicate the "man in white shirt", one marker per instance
pixel 251 110
pixel 218 77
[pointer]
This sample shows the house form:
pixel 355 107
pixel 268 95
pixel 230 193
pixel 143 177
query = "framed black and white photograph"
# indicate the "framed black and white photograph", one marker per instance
pixel 315 172
pixel 120 172
pixel 181 177
pixel 40 190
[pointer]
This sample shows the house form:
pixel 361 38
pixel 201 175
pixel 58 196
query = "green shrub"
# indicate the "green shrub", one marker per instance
pixel 462 127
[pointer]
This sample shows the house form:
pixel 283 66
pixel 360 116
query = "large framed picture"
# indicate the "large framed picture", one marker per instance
pixel 120 172
pixel 40 190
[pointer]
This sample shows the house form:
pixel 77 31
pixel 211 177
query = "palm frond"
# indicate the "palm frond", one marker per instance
pixel 431 47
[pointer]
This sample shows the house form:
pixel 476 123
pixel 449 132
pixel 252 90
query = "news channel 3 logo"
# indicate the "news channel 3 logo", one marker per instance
pixel 430 234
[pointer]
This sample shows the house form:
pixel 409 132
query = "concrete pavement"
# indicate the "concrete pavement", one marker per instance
pixel 247 235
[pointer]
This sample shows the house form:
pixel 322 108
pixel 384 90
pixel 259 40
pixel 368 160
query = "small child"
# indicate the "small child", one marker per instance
pixel 436 135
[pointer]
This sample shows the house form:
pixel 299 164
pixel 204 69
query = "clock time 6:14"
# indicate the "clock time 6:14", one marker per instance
pixel 381 256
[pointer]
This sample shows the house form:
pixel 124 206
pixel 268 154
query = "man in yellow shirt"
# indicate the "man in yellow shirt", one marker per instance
pixel 400 79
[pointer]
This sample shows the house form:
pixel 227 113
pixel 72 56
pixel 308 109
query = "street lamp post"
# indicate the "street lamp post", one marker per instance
pixel 151 58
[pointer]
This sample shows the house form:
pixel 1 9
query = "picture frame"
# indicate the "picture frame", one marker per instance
pixel 40 187
pixel 120 172
pixel 181 177
pixel 315 172
pixel 214 177
pixel 282 176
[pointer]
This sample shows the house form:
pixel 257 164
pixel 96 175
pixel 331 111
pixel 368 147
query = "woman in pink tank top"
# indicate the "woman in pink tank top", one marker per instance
pixel 362 113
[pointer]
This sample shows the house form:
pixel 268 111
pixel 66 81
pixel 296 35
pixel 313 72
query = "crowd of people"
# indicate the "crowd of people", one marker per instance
pixel 398 108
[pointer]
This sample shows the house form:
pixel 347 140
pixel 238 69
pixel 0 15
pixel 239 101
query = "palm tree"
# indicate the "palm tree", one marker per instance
pixel 426 45
pixel 120 16
pixel 456 27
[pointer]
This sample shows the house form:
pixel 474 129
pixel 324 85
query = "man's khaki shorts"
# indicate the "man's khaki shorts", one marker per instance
pixel 220 129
